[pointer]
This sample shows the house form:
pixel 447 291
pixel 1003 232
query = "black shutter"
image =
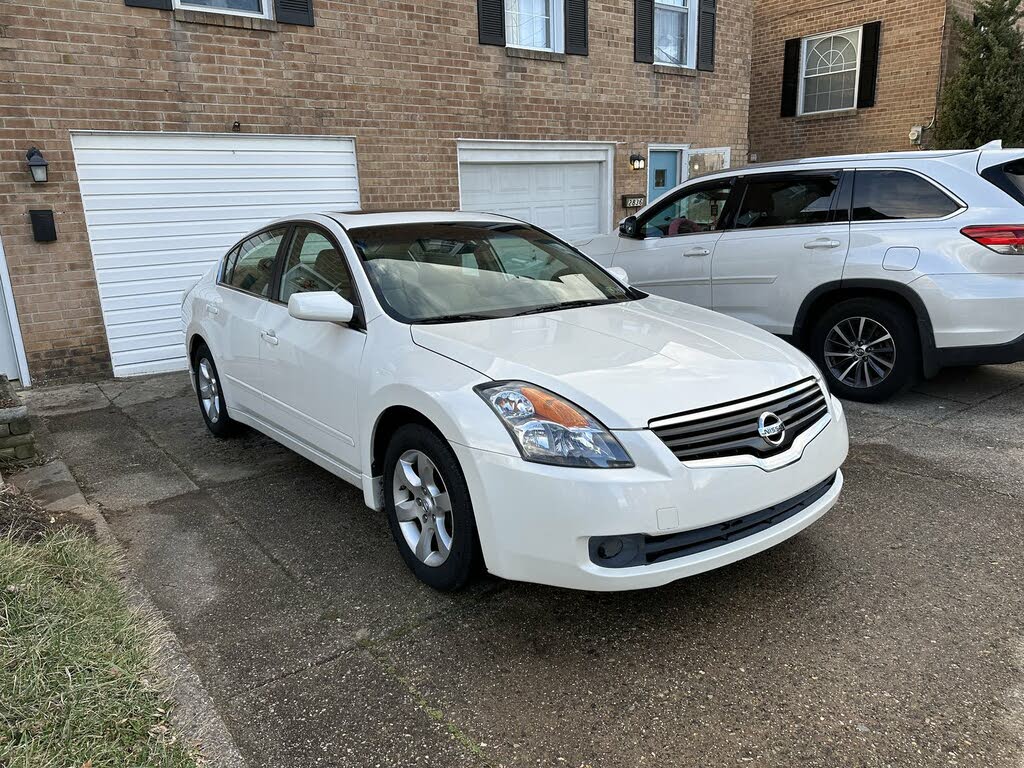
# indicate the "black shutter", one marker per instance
pixel 791 77
pixel 643 31
pixel 870 38
pixel 706 35
pixel 491 21
pixel 294 12
pixel 161 5
pixel 576 27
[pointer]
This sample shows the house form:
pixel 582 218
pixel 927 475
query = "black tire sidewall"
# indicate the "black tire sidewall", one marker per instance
pixel 224 426
pixel 900 325
pixel 462 561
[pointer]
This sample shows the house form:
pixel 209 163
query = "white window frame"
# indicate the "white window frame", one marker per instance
pixel 556 28
pixel 691 32
pixel 810 40
pixel 267 13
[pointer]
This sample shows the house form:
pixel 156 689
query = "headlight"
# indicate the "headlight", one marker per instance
pixel 550 430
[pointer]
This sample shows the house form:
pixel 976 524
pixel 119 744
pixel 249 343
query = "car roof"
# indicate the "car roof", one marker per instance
pixel 833 161
pixel 353 219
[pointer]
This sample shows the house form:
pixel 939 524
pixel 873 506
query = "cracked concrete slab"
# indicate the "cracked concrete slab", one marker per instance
pixel 145 389
pixel 349 712
pixel 51 485
pixel 116 466
pixel 60 400
pixel 175 425
pixel 240 614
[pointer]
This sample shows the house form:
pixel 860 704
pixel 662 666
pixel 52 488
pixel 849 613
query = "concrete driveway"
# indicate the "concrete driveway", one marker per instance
pixel 890 633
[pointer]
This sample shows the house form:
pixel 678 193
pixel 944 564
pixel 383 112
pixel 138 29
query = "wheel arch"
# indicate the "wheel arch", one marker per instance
pixel 828 294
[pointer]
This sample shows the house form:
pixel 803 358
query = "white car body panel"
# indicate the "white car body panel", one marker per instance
pixel 322 388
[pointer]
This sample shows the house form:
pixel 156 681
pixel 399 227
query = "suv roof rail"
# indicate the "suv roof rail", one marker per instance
pixel 995 144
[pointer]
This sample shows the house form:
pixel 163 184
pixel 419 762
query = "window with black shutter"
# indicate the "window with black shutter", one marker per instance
pixel 832 72
pixel 675 33
pixel 556 26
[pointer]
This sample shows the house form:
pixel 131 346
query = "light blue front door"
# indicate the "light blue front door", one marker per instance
pixel 664 173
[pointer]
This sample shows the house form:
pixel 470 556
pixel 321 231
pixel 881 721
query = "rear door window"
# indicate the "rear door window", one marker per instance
pixel 787 201
pixel 252 267
pixel 896 195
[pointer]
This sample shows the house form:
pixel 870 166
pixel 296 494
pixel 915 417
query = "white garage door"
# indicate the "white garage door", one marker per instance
pixel 563 198
pixel 161 208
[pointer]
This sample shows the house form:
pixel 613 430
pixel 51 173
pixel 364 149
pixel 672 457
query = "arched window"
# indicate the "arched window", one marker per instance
pixel 829 72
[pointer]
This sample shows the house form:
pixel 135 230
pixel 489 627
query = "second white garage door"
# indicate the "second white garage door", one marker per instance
pixel 563 198
pixel 161 208
pixel 563 187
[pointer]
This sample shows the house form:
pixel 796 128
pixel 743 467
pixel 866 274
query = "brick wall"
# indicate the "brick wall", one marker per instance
pixel 914 42
pixel 405 79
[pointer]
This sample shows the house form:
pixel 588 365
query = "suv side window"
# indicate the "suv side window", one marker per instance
pixel 695 210
pixel 781 201
pixel 250 266
pixel 315 264
pixel 888 195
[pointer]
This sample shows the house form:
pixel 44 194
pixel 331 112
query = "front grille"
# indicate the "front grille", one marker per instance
pixel 638 549
pixel 731 429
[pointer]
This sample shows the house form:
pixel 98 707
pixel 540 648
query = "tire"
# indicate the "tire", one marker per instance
pixel 858 340
pixel 210 394
pixel 438 512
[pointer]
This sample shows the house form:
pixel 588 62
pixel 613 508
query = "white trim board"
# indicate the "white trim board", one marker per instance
pixel 12 315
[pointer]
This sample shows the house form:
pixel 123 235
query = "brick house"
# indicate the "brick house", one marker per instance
pixel 834 78
pixel 171 127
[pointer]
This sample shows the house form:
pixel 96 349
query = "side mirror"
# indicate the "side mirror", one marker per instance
pixel 321 306
pixel 628 227
pixel 619 274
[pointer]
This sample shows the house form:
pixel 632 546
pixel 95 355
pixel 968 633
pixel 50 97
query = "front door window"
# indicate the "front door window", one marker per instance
pixel 698 210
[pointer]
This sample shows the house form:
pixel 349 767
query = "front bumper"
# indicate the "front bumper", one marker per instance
pixel 536 521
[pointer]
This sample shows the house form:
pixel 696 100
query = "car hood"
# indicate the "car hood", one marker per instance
pixel 626 363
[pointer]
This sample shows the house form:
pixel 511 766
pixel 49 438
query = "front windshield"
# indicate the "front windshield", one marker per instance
pixel 459 271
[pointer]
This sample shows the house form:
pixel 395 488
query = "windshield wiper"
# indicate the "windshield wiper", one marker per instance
pixel 567 305
pixel 457 318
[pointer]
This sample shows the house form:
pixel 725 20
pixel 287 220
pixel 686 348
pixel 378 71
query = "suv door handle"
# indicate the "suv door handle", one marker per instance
pixel 821 242
pixel 697 252
pixel 212 310
pixel 270 337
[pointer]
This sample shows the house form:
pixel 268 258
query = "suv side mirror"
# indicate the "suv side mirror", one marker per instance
pixel 320 306
pixel 628 227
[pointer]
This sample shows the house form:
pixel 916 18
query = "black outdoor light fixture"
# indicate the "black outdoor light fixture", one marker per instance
pixel 37 165
pixel 637 162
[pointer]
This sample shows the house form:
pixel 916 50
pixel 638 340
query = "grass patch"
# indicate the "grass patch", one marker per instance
pixel 74 661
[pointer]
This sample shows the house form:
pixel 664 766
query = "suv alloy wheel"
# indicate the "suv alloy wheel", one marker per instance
pixel 868 349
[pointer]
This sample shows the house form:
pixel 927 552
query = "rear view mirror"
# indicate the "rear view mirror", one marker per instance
pixel 628 227
pixel 619 274
pixel 321 306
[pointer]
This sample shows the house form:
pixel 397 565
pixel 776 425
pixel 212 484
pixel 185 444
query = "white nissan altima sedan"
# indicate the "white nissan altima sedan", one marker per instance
pixel 510 404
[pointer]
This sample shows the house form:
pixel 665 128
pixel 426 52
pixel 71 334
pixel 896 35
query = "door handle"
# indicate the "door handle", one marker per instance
pixel 821 243
pixel 697 252
pixel 212 310
pixel 270 337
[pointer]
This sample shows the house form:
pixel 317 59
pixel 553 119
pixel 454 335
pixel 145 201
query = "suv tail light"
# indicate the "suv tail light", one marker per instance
pixel 1001 238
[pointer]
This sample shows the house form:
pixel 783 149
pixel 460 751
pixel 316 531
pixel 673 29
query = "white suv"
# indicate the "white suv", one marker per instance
pixel 882 267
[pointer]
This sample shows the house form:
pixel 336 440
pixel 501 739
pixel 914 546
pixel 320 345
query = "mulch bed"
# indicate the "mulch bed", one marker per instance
pixel 24 520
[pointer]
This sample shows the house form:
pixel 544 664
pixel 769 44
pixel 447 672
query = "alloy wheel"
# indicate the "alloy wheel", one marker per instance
pixel 209 390
pixel 423 507
pixel 860 352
